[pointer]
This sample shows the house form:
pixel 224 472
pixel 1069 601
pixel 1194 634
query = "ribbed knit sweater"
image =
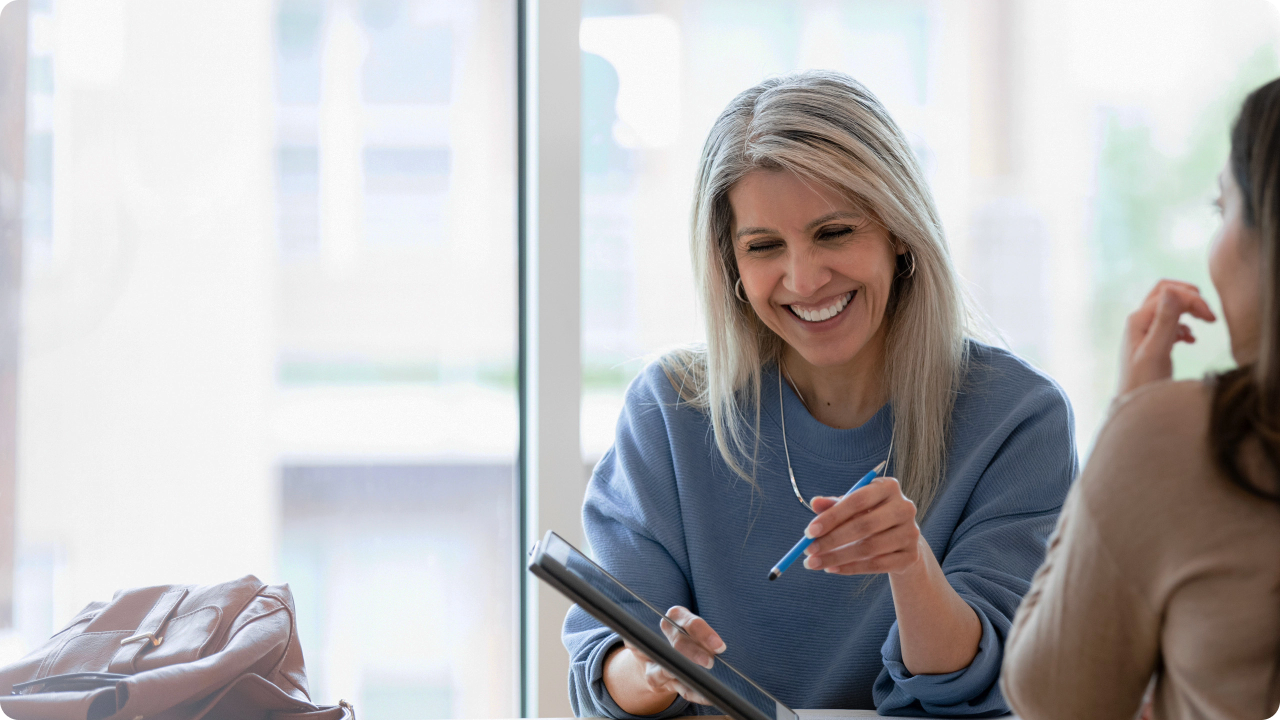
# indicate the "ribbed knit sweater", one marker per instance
pixel 666 516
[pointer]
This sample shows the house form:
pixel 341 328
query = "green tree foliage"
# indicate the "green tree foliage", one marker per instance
pixel 1154 219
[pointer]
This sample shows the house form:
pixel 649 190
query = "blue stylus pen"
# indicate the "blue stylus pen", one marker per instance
pixel 798 550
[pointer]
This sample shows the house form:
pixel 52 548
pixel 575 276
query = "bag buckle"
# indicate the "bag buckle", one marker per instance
pixel 348 707
pixel 144 637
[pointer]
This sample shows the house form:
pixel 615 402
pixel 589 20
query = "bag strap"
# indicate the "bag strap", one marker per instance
pixel 68 681
pixel 148 633
pixel 342 711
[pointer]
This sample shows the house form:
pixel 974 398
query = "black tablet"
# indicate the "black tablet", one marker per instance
pixel 562 567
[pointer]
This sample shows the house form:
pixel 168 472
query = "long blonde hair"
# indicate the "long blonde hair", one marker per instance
pixel 828 128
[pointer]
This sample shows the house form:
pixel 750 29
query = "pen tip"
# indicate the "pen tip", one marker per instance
pixel 880 468
pixel 773 574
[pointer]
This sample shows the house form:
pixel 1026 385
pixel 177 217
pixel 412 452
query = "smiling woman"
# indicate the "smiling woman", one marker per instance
pixel 823 272
pixel 785 171
pixel 819 274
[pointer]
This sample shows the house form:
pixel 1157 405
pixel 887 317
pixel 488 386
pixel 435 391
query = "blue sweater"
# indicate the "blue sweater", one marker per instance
pixel 665 515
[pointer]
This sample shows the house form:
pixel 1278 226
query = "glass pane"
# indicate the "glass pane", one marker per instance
pixel 269 327
pixel 1072 150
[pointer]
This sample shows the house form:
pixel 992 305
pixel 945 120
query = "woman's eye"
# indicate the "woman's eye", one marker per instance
pixel 835 233
pixel 763 247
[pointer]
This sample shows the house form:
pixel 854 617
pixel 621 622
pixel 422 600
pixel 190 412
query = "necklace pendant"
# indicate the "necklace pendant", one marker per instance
pixel 796 487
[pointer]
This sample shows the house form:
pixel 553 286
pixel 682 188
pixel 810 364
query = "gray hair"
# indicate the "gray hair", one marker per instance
pixel 828 128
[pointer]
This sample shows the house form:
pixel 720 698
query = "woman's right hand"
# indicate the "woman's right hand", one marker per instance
pixel 641 686
pixel 1152 329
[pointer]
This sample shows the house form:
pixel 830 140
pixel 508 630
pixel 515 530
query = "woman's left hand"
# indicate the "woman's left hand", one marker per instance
pixel 1153 329
pixel 870 531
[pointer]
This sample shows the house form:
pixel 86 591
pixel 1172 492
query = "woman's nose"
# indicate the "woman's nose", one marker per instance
pixel 806 275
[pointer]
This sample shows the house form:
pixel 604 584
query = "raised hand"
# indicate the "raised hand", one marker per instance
pixel 1151 331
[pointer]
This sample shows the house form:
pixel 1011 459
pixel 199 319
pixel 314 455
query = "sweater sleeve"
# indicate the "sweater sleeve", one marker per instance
pixel 1084 643
pixel 631 515
pixel 992 555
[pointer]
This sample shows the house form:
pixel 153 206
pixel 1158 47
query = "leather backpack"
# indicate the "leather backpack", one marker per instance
pixel 172 652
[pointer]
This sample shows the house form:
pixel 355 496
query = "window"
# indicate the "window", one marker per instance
pixel 269 326
pixel 265 318
pixel 395 371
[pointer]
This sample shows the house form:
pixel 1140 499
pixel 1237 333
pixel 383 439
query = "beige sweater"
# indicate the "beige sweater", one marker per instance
pixel 1160 565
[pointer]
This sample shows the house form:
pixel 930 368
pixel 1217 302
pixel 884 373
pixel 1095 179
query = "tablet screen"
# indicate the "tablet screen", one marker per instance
pixel 595 576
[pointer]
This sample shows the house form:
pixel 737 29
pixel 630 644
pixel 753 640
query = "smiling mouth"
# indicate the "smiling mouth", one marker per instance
pixel 818 315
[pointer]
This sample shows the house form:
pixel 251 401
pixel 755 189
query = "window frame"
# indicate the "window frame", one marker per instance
pixel 14 52
pixel 551 482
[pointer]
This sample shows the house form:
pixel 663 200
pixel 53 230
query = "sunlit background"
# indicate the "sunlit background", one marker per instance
pixel 1072 149
pixel 266 300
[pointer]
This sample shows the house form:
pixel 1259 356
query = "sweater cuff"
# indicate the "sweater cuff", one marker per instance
pixel 595 676
pixel 969 691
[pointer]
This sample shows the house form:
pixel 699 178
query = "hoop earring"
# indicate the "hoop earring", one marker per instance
pixel 737 290
pixel 912 271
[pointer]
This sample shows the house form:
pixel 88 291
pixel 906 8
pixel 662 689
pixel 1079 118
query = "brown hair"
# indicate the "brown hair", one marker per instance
pixel 1246 401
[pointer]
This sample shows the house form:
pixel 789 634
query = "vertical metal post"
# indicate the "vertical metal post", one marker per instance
pixel 551 461
pixel 13 109
pixel 522 365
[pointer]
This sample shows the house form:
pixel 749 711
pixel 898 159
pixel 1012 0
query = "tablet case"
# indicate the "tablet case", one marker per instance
pixel 550 562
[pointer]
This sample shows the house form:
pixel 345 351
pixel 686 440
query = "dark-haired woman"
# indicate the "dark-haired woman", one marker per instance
pixel 1166 560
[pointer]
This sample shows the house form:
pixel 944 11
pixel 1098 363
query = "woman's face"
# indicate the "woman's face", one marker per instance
pixel 1234 267
pixel 815 269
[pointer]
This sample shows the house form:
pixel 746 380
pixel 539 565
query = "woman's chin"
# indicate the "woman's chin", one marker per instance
pixel 826 350
pixel 828 355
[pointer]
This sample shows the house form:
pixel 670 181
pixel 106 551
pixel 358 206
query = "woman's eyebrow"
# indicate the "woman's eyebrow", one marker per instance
pixel 837 215
pixel 743 232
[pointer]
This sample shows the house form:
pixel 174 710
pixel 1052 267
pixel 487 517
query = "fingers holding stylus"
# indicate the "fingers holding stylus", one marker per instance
pixel 834 512
pixel 888 551
pixel 872 530
pixel 854 524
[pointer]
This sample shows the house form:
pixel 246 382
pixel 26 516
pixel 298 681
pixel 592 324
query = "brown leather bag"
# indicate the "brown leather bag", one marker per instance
pixel 173 652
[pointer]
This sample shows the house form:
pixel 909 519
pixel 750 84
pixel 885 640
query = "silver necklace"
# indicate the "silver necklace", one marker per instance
pixel 782 413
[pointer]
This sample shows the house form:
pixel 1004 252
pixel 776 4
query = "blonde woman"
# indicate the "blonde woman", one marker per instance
pixel 837 339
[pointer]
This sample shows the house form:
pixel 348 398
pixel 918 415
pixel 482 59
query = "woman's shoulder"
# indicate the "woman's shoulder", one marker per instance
pixel 655 420
pixel 679 374
pixel 1152 448
pixel 670 383
pixel 997 382
pixel 1169 415
pixel 1153 489
pixel 986 363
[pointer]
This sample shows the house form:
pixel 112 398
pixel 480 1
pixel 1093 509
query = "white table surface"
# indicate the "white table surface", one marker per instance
pixel 846 714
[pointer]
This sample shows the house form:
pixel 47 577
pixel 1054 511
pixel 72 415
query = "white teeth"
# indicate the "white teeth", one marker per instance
pixel 825 313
